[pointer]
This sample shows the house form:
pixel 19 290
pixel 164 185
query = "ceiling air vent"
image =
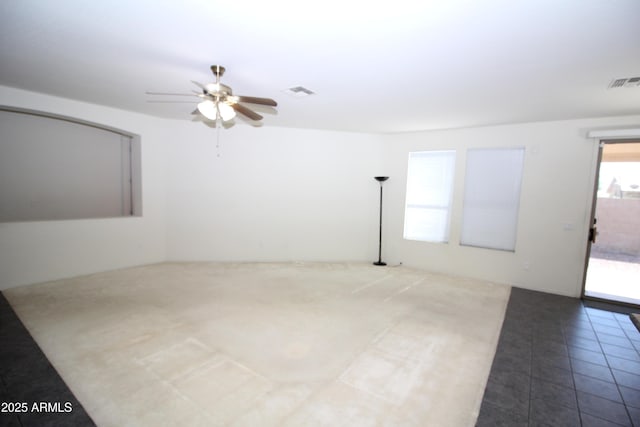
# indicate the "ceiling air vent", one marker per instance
pixel 298 91
pixel 628 82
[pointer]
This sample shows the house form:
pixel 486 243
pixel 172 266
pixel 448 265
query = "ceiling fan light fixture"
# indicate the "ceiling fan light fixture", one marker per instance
pixel 208 109
pixel 226 111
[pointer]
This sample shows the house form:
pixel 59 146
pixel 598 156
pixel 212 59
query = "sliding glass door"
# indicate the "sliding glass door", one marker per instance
pixel 613 264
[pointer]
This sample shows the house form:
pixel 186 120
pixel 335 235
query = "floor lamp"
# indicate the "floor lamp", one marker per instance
pixel 380 179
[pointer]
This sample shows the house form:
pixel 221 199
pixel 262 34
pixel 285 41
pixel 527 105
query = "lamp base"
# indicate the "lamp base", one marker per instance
pixel 379 263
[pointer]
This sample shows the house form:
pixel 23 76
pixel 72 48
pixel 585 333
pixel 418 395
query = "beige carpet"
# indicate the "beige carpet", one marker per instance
pixel 291 344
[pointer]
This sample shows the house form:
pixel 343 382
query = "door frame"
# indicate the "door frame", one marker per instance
pixel 592 217
pixel 602 141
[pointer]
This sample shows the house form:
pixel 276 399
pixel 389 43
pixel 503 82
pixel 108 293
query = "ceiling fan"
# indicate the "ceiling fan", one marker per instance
pixel 219 102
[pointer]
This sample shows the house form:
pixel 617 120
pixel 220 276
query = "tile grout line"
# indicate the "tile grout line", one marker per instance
pixel 606 358
pixel 571 371
pixel 626 407
pixel 530 408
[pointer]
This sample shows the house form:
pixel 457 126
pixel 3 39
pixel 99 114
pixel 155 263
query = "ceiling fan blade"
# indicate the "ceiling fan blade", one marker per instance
pixel 153 101
pixel 169 93
pixel 256 100
pixel 246 111
pixel 200 85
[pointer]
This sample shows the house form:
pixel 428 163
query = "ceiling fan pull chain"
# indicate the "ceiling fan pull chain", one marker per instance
pixel 218 125
pixel 218 121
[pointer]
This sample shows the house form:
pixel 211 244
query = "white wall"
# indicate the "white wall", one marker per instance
pixel 554 209
pixel 39 251
pixel 278 194
pixel 274 194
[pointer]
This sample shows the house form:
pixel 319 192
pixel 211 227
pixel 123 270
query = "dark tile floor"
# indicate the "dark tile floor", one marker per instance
pixel 558 363
pixel 27 377
pixel 562 363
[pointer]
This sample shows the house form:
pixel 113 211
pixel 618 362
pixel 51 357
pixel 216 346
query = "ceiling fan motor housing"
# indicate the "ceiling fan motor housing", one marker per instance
pixel 217 89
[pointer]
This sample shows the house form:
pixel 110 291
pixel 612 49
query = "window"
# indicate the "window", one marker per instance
pixel 55 168
pixel 429 193
pixel 492 197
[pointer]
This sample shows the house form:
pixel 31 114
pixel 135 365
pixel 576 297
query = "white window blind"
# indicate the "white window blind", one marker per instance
pixel 53 168
pixel 429 192
pixel 492 197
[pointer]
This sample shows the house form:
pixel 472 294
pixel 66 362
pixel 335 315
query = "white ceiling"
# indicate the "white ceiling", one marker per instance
pixel 391 66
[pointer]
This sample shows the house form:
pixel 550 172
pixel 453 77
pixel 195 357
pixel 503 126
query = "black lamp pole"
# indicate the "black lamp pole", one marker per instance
pixel 380 179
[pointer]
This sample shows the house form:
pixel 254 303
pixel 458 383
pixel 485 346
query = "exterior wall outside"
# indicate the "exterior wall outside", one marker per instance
pixel 618 226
